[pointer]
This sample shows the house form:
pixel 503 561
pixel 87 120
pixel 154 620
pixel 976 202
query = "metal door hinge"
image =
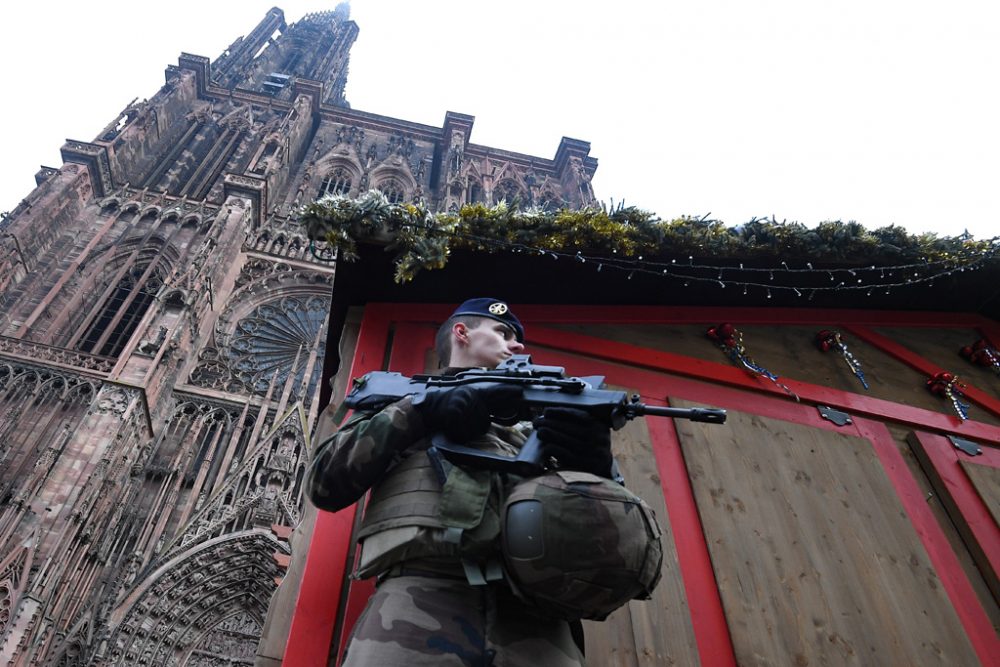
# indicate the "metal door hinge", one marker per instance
pixel 967 446
pixel 836 416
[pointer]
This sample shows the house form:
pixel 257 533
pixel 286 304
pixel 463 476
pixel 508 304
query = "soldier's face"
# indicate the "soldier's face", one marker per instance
pixel 490 343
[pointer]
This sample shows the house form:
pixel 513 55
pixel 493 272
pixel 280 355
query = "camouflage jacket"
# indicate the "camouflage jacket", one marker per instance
pixel 349 461
pixel 411 514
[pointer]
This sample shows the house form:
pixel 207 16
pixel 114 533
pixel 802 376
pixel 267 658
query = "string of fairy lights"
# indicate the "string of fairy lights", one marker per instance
pixel 841 279
pixel 804 281
pixel 855 282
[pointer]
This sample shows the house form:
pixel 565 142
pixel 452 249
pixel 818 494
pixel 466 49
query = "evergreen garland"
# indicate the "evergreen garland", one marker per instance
pixel 422 240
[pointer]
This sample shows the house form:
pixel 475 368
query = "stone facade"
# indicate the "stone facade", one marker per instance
pixel 162 330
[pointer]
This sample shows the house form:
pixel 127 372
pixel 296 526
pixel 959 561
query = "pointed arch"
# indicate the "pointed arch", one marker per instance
pixel 189 596
pixel 14 568
pixel 508 190
pixel 475 193
pixel 133 274
pixel 397 184
pixel 247 495
pixel 338 181
pixel 337 173
pixel 550 200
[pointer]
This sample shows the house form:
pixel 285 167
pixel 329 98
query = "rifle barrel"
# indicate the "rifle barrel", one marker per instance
pixel 709 415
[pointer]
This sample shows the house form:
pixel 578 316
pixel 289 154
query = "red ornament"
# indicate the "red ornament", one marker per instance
pixel 723 334
pixel 981 354
pixel 730 340
pixel 826 340
pixel 940 384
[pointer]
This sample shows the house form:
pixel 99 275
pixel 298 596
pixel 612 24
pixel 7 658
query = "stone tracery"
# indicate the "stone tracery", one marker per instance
pixel 260 340
pixel 218 589
pixel 267 345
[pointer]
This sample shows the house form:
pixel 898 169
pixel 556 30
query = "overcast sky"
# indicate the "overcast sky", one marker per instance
pixel 880 111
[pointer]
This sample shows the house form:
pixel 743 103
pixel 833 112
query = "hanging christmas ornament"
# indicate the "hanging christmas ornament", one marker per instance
pixel 828 340
pixel 981 354
pixel 730 340
pixel 946 384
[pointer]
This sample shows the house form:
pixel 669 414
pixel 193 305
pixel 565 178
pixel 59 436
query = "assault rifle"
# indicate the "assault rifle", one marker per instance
pixel 542 387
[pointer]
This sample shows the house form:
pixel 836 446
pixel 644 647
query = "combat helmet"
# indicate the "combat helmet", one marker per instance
pixel 576 545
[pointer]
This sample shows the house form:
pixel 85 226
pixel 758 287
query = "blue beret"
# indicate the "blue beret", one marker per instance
pixel 495 309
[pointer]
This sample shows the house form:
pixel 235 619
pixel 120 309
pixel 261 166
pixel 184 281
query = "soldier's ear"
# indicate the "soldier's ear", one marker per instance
pixel 460 332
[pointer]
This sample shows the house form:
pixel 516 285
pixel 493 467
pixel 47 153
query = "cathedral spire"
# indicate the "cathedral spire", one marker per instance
pixel 270 58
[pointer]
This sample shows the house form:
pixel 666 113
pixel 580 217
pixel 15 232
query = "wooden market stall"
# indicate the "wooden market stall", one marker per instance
pixel 823 523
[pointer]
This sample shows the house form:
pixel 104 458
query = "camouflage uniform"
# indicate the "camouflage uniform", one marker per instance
pixel 424 611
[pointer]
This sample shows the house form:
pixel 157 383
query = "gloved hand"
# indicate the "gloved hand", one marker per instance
pixel 463 412
pixel 576 440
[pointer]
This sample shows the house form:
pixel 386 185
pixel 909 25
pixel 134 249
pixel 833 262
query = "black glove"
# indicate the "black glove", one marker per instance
pixel 576 440
pixel 463 412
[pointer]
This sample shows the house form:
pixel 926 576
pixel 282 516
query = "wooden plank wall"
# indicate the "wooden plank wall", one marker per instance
pixel 649 632
pixel 940 347
pixel 943 512
pixel 815 558
pixel 986 481
pixel 968 489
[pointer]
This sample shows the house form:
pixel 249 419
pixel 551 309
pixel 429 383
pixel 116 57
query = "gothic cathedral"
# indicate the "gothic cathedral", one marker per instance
pixel 162 329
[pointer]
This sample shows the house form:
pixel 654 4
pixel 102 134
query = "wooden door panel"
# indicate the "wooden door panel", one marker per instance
pixel 814 554
pixel 656 631
pixel 957 598
pixel 985 480
pixel 969 488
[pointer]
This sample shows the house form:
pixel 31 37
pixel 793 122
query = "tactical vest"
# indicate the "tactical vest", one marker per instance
pixel 572 544
pixel 412 515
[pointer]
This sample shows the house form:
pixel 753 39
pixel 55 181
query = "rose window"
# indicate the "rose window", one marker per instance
pixel 265 344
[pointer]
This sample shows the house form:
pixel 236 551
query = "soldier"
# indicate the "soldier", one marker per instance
pixel 441 596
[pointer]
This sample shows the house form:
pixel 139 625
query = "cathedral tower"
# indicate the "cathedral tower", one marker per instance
pixel 162 328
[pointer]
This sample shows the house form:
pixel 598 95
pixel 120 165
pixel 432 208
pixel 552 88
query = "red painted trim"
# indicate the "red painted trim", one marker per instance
pixel 358 593
pixel 915 361
pixel 945 458
pixel 991 332
pixel 676 364
pixel 963 598
pixel 311 634
pixel 708 619
pixel 410 344
pixel 654 386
